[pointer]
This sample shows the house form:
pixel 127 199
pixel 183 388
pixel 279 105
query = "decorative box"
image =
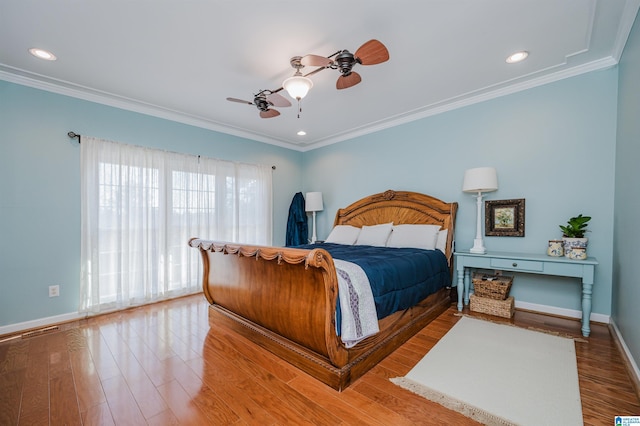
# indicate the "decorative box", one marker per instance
pixel 499 308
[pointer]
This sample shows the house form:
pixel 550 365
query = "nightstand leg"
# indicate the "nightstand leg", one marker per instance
pixel 460 288
pixel 467 283
pixel 587 289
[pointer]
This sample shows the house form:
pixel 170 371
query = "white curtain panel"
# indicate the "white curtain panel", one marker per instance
pixel 140 207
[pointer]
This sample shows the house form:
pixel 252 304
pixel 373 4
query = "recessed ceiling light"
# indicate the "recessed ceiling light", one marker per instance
pixel 302 133
pixel 517 57
pixel 42 54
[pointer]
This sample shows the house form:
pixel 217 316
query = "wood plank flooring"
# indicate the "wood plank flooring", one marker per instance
pixel 163 364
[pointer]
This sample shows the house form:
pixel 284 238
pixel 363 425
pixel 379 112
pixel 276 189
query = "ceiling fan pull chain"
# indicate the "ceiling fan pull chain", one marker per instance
pixel 299 107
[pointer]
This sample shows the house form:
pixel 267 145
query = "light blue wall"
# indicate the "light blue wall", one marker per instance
pixel 552 145
pixel 626 276
pixel 40 187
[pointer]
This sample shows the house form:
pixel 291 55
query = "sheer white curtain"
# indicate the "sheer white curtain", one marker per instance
pixel 140 206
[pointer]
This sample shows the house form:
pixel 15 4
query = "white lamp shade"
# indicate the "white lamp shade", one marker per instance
pixel 297 86
pixel 313 202
pixel 481 179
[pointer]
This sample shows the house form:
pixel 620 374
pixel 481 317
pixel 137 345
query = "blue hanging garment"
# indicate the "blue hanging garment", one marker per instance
pixel 297 228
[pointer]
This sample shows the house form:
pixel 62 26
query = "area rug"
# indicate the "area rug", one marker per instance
pixel 499 374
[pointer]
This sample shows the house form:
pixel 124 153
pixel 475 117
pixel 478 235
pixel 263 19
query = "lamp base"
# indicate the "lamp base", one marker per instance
pixel 313 236
pixel 478 247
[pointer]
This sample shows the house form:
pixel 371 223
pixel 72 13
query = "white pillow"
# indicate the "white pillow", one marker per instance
pixel 375 235
pixel 343 234
pixel 441 242
pixel 414 236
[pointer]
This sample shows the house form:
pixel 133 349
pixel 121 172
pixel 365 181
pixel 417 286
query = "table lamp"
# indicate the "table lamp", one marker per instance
pixel 479 180
pixel 313 203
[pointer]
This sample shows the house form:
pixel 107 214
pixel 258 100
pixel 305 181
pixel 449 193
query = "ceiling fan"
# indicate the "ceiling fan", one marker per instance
pixel 371 53
pixel 264 100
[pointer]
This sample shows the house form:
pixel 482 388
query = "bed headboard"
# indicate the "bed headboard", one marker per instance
pixel 401 207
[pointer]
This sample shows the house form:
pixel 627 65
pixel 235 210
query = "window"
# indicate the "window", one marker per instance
pixel 141 206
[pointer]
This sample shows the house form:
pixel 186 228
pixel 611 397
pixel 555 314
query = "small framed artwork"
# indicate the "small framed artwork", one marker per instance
pixel 504 218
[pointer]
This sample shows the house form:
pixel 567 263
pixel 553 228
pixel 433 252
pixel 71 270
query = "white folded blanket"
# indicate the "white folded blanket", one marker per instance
pixel 359 317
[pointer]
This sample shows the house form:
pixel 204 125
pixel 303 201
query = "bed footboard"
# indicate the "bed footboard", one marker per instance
pixel 289 292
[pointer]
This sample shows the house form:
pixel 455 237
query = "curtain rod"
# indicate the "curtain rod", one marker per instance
pixel 74 135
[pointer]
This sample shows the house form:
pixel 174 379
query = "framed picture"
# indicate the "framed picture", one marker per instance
pixel 504 218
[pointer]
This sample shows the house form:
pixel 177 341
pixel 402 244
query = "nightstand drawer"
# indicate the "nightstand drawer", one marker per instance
pixel 517 265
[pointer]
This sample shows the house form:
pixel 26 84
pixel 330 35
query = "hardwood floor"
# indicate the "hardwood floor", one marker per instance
pixel 163 364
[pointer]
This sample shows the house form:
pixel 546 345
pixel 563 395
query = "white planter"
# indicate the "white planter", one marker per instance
pixel 575 248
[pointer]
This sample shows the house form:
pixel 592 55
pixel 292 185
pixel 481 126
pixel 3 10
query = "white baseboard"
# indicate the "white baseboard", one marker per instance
pixel 625 348
pixel 39 323
pixel 569 313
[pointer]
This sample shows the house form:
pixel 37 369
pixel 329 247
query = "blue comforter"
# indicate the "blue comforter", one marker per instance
pixel 399 277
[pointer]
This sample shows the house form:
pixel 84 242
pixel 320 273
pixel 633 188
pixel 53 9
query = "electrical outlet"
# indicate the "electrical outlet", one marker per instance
pixel 497 272
pixel 54 290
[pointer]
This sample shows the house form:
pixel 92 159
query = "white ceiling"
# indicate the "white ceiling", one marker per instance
pixel 181 59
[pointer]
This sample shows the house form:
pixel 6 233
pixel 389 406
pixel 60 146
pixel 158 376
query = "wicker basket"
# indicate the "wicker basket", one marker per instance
pixel 499 308
pixel 492 286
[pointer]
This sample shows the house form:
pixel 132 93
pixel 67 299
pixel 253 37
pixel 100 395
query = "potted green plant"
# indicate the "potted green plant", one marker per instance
pixel 574 241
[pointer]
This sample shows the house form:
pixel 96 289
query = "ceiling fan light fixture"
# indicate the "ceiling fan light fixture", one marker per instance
pixel 517 57
pixel 297 86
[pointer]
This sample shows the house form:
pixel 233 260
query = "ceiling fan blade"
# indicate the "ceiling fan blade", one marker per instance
pixel 372 52
pixel 278 100
pixel 239 101
pixel 315 61
pixel 346 81
pixel 269 113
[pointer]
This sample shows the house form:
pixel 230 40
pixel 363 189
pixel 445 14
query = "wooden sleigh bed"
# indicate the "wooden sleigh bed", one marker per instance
pixel 284 299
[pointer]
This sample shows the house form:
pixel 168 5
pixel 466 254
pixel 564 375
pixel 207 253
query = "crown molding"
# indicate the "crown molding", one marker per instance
pixel 462 101
pixel 467 99
pixel 60 87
